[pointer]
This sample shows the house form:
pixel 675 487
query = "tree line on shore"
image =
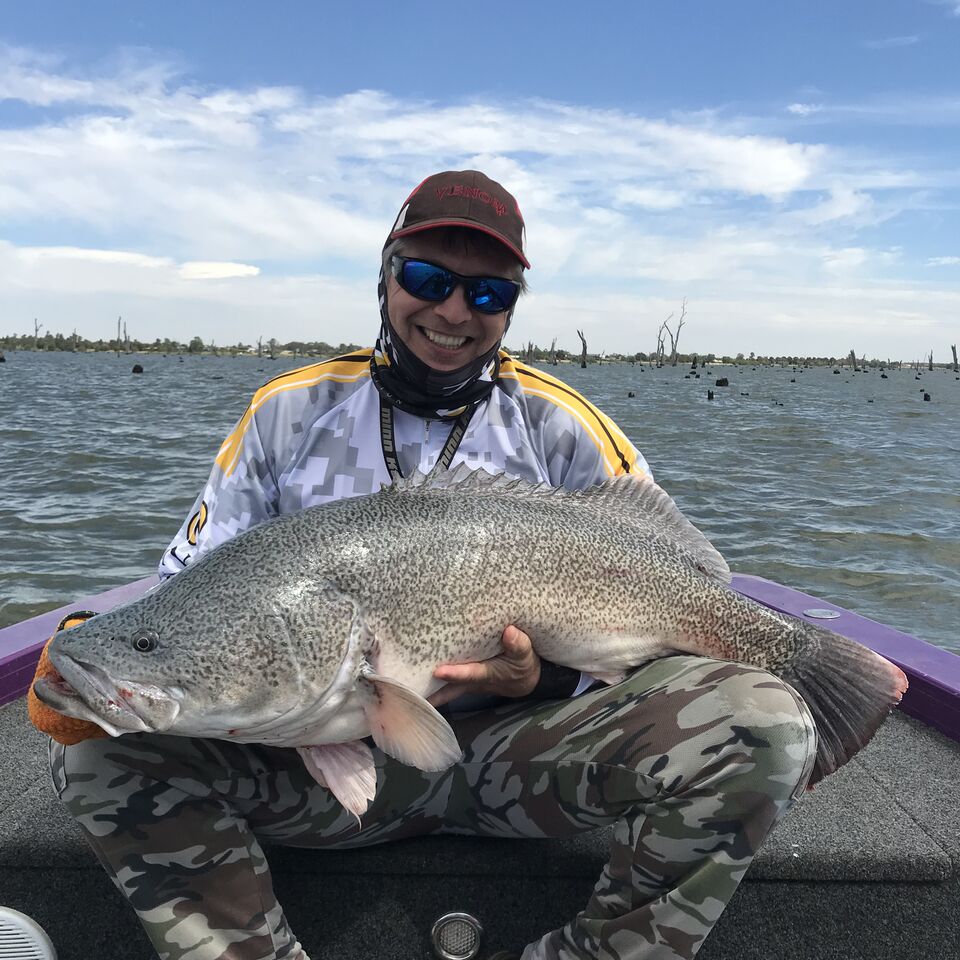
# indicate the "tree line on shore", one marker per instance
pixel 530 352
pixel 76 344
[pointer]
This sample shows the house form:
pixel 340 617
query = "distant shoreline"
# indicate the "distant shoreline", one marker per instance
pixel 683 360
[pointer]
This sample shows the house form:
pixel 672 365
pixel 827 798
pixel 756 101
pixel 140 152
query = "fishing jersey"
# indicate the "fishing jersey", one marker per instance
pixel 316 434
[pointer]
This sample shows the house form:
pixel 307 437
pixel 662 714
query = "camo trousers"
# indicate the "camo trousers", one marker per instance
pixel 691 760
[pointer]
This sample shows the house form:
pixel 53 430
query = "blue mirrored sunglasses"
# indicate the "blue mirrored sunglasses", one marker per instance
pixel 427 281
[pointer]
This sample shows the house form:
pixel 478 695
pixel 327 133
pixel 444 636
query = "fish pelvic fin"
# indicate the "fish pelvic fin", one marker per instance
pixel 849 690
pixel 635 499
pixel 346 770
pixel 404 725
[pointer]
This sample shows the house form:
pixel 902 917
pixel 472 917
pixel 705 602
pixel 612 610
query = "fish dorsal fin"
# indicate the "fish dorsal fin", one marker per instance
pixel 634 498
pixel 465 480
pixel 644 504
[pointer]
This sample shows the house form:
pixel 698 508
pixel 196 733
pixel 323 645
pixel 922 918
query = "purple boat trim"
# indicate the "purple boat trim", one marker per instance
pixel 934 673
pixel 21 643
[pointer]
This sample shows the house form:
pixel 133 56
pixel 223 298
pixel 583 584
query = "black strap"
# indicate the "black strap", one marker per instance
pixel 389 444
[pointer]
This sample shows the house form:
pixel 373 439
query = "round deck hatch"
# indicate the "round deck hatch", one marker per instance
pixel 819 613
pixel 456 936
pixel 23 938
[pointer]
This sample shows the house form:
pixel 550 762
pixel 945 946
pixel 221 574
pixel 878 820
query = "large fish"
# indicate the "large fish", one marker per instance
pixel 318 629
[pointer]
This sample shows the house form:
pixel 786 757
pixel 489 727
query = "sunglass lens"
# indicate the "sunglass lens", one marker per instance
pixel 492 296
pixel 426 281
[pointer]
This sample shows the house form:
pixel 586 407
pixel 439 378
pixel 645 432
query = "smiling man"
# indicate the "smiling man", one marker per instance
pixel 691 760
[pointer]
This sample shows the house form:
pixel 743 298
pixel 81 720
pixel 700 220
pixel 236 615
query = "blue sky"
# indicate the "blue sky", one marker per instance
pixel 230 169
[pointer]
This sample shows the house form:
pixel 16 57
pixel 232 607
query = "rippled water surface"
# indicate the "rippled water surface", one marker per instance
pixel 845 486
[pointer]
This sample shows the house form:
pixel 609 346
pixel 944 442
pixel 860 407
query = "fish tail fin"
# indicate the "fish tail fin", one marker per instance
pixel 849 690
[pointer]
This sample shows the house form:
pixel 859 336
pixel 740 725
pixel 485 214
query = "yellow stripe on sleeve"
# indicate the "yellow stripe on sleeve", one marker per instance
pixel 345 369
pixel 617 452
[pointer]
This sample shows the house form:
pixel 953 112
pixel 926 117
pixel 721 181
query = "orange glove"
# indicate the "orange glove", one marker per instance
pixel 67 730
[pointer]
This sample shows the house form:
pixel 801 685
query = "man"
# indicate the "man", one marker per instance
pixel 692 760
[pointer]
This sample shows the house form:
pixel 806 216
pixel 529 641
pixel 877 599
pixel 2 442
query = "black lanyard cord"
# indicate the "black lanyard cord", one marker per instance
pixel 389 444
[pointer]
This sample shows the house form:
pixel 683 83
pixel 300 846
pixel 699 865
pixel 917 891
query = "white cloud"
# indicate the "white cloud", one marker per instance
pixel 943 262
pixel 210 270
pixel 952 5
pixel 843 203
pixel 804 109
pixel 30 255
pixel 889 42
pixel 846 260
pixel 652 197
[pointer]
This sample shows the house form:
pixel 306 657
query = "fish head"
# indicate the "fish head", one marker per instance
pixel 104 674
pixel 190 659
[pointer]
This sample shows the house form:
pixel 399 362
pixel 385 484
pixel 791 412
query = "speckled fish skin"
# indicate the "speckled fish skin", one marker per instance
pixel 266 638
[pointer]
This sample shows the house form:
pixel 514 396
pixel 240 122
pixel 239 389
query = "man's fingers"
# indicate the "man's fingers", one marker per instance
pixel 516 644
pixel 462 672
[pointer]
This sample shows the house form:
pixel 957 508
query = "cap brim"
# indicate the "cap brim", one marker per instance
pixel 455 222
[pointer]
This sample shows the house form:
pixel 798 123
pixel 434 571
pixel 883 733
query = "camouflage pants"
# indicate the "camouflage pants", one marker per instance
pixel 692 760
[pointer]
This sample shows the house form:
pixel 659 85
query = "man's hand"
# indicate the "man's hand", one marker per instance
pixel 513 673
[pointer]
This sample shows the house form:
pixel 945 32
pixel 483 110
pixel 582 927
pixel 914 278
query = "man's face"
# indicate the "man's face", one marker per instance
pixel 448 334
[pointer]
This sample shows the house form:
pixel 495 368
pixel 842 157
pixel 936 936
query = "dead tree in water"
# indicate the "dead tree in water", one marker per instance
pixel 930 361
pixel 852 359
pixel 660 342
pixel 528 352
pixel 583 352
pixel 37 327
pixel 675 337
pixel 260 348
pixel 553 352
pixel 956 368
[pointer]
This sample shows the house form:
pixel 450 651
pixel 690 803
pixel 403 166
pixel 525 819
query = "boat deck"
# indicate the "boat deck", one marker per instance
pixel 866 867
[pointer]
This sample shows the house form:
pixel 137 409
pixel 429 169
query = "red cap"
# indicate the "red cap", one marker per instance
pixel 464 198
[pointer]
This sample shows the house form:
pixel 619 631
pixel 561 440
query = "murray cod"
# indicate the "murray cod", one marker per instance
pixel 319 629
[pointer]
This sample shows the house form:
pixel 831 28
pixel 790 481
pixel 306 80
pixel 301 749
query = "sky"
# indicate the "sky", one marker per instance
pixel 229 170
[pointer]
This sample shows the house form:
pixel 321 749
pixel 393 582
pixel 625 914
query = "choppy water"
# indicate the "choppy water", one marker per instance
pixel 808 482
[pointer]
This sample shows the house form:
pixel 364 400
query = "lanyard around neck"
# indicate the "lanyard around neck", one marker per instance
pixel 389 444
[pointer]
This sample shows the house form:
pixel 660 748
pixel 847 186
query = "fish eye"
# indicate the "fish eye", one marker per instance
pixel 144 641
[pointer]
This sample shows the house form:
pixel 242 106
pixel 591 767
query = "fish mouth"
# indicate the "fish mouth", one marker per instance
pixel 87 692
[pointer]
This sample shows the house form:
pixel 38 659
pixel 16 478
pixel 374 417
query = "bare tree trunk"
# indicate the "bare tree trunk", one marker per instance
pixel 660 346
pixel 37 327
pixel 260 348
pixel 956 368
pixel 553 352
pixel 118 335
pixel 675 337
pixel 583 352
pixel 852 359
pixel 930 361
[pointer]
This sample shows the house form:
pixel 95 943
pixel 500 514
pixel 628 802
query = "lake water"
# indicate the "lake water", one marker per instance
pixel 845 486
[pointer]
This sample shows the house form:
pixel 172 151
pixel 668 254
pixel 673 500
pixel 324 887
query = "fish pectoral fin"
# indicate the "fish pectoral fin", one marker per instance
pixel 346 770
pixel 609 678
pixel 405 726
